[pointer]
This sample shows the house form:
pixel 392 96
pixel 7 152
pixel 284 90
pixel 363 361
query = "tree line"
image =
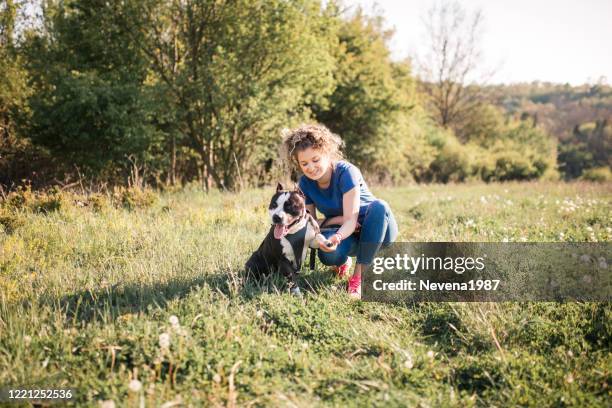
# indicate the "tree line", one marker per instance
pixel 166 92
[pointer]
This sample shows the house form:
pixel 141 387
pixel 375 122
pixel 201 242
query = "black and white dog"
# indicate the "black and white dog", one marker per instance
pixel 293 230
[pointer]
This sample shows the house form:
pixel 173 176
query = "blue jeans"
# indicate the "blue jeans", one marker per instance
pixel 378 228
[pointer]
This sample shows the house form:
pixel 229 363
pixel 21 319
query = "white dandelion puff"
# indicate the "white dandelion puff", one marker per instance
pixel 408 363
pixel 602 263
pixel 174 321
pixel 135 385
pixel 431 354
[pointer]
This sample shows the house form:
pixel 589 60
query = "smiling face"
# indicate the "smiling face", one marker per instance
pixel 285 207
pixel 314 163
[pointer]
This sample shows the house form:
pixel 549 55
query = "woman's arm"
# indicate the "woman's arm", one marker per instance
pixel 350 212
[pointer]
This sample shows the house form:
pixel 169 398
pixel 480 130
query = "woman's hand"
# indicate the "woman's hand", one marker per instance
pixel 325 248
pixel 335 240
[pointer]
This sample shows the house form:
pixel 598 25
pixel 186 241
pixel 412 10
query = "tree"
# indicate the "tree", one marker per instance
pixel 371 95
pixel 90 107
pixel 450 64
pixel 235 70
pixel 13 79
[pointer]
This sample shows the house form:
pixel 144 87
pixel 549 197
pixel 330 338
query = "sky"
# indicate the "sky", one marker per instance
pixel 523 40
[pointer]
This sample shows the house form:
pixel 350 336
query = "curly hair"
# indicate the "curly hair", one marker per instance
pixel 315 136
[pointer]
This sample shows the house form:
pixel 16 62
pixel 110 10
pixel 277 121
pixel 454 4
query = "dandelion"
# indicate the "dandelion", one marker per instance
pixel 164 340
pixel 408 363
pixel 602 263
pixel 483 199
pixel 135 385
pixel 174 321
pixel 569 353
pixel 469 223
pixel 107 404
pixel 430 354
pixel 561 235
pixel 27 340
pixel 569 378
pixel 589 228
pixel 217 378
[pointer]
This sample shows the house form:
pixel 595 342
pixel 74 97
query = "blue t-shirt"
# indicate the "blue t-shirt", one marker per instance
pixel 328 201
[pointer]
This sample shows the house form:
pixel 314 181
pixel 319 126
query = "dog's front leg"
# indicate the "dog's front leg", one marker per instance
pixel 320 240
pixel 289 272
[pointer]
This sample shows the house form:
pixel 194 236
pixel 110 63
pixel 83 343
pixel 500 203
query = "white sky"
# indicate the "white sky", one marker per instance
pixel 523 40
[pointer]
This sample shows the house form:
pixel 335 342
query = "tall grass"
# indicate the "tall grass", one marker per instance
pixel 88 288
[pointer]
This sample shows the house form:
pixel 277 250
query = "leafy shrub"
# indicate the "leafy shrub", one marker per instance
pixel 453 161
pixel 50 201
pixel 598 174
pixel 19 199
pixel 133 198
pixel 97 202
pixel 25 199
pixel 10 221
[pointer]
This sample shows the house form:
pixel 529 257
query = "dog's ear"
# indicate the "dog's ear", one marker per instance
pixel 297 189
pixel 279 187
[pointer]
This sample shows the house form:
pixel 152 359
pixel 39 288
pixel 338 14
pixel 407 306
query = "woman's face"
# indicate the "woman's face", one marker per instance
pixel 314 163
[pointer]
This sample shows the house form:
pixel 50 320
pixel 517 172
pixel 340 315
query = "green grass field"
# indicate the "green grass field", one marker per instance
pixel 87 291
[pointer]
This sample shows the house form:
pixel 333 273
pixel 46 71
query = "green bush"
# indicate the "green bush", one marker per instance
pixel 133 198
pixel 10 221
pixel 453 163
pixel 598 174
pixel 24 199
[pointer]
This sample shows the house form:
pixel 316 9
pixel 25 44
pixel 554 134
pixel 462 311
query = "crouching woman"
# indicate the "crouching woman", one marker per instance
pixel 356 222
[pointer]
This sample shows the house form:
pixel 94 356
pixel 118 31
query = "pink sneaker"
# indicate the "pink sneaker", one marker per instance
pixel 354 287
pixel 342 271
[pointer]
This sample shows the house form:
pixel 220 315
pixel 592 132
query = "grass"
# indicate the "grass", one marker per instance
pixel 88 288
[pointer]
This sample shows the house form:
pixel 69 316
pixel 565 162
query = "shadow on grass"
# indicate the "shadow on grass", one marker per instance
pixel 112 302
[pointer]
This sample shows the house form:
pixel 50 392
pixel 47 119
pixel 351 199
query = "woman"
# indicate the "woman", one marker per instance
pixel 337 189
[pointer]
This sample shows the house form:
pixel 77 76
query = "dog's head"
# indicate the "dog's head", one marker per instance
pixel 286 207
